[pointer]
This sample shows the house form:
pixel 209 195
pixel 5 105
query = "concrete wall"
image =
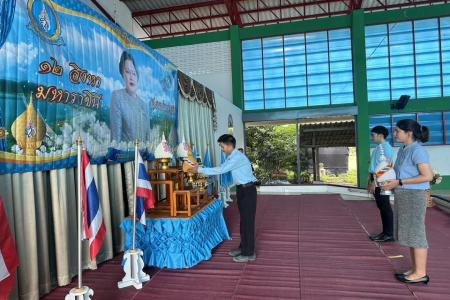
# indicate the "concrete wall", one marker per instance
pixel 225 108
pixel 209 64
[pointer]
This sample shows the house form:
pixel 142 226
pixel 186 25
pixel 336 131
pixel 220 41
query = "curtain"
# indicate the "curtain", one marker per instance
pixel 42 208
pixel 195 124
pixel 197 118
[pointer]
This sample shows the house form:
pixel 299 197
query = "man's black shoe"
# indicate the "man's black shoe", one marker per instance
pixel 384 239
pixel 377 236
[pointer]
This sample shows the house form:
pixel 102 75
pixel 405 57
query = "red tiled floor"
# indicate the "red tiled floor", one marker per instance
pixel 308 247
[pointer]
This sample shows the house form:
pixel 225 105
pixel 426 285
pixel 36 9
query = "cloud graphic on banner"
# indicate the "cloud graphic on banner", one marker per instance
pixel 22 54
pixel 146 76
pixel 79 42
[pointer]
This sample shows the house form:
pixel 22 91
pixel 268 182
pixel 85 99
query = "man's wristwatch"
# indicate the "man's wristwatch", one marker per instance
pixel 400 182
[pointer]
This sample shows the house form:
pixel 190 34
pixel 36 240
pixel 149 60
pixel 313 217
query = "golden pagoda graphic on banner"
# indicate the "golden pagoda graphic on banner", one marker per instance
pixel 29 129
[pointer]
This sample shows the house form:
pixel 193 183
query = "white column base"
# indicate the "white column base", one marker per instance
pixel 134 276
pixel 83 293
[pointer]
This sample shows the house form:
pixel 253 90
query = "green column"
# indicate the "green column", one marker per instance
pixel 361 98
pixel 236 66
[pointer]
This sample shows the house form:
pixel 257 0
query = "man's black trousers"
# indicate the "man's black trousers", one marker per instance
pixel 385 208
pixel 246 200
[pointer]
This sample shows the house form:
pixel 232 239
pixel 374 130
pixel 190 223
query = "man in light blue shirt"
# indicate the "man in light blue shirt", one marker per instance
pixel 243 178
pixel 379 135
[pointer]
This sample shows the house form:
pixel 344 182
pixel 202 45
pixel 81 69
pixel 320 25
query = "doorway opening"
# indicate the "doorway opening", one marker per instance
pixel 307 151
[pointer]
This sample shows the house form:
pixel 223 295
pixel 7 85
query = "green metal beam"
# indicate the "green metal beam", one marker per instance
pixel 295 27
pixel 209 37
pixel 407 14
pixel 360 90
pixel 422 105
pixel 236 66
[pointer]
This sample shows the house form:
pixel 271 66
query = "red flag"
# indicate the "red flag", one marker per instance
pixel 9 260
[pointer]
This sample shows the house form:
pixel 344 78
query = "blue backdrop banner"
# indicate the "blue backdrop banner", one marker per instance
pixel 68 72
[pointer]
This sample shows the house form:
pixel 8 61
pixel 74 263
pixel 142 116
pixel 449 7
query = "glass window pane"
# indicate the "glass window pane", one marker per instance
pixel 445 46
pixel 318 72
pixel 434 123
pixel 252 74
pixel 377 63
pixel 447 127
pixel 428 67
pixel 295 64
pixel 273 63
pixel 398 117
pixel 381 120
pixel 341 66
pixel 402 60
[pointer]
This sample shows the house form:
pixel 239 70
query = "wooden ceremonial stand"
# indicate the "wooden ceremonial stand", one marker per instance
pixel 171 178
pixel 177 189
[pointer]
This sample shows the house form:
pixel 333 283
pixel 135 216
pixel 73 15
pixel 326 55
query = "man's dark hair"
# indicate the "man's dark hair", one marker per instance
pixel 380 130
pixel 227 139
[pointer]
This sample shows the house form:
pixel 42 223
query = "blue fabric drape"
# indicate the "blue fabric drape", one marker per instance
pixel 226 180
pixel 207 163
pixel 179 243
pixel 6 18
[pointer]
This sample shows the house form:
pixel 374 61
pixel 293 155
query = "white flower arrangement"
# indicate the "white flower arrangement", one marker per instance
pixel 437 178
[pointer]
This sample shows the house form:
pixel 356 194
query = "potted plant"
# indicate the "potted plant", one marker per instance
pixel 437 179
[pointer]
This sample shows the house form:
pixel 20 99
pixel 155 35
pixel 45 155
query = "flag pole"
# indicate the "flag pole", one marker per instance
pixel 80 279
pixel 136 170
pixel 133 263
pixel 81 292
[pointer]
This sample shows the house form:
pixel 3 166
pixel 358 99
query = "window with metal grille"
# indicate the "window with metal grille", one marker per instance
pixel 408 58
pixel 300 70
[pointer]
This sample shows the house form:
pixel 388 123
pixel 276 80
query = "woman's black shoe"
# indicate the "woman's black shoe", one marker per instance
pixel 425 280
pixel 376 237
pixel 384 238
pixel 400 275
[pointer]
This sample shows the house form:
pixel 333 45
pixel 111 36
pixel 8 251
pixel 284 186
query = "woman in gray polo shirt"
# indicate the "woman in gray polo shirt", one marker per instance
pixel 413 180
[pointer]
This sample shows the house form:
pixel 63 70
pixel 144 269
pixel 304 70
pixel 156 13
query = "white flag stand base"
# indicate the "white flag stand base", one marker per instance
pixel 83 293
pixel 134 276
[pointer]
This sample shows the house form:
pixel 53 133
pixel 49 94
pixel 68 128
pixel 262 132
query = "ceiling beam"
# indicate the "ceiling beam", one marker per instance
pixel 176 8
pixel 183 33
pixel 233 12
pixel 100 7
pixel 182 21
pixel 326 129
pixel 291 5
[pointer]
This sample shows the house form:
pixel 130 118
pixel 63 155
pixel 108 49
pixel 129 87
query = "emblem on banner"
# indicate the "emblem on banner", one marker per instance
pixel 44 21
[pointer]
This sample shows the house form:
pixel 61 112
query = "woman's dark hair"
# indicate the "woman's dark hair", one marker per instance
pixel 227 139
pixel 380 130
pixel 124 57
pixel 420 133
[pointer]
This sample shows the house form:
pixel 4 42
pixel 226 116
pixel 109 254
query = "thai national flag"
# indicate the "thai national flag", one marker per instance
pixel 94 227
pixel 145 198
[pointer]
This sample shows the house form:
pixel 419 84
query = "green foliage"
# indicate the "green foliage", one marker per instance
pixel 347 178
pixel 273 149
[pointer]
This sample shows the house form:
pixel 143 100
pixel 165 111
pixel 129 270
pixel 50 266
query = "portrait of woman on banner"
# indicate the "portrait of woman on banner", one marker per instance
pixel 129 114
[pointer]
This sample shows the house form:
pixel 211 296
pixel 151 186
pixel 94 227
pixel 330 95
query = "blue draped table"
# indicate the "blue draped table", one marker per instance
pixel 179 243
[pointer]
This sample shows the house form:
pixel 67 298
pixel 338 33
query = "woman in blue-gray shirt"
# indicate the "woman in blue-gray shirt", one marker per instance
pixel 413 181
